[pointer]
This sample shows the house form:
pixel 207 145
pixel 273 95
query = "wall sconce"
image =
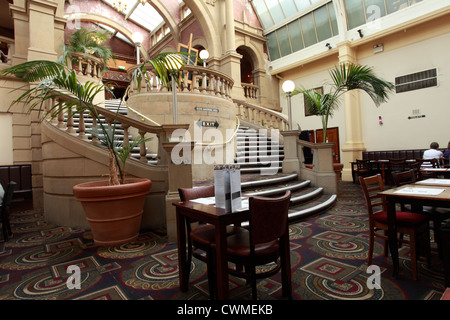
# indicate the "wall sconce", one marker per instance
pixel 328 46
pixel 360 33
pixel 380 120
pixel 378 48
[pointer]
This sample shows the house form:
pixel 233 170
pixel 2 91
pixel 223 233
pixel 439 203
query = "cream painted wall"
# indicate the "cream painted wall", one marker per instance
pixel 397 132
pixel 6 154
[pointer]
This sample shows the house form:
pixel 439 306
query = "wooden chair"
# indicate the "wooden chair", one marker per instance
pixel 363 168
pixel 413 224
pixel 395 165
pixel 266 242
pixel 6 203
pixel 402 178
pixel 432 163
pixel 202 237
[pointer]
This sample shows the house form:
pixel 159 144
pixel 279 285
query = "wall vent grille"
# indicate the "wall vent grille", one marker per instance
pixel 416 81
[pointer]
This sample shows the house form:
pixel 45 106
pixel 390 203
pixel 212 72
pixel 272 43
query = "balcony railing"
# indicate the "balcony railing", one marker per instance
pixel 194 79
pixel 85 65
pixel 250 90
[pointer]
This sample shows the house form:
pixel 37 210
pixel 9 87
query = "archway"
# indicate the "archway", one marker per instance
pixel 247 65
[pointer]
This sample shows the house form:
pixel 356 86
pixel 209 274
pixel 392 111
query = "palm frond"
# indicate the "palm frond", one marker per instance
pixel 348 77
pixel 33 71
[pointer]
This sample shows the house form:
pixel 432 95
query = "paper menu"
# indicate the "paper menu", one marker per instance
pixel 420 191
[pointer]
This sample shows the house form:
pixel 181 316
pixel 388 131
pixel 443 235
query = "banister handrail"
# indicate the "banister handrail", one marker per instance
pixel 280 119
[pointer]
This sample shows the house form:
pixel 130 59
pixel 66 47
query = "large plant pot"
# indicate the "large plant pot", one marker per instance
pixel 114 213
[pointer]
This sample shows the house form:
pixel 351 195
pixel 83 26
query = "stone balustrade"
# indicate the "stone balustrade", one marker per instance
pixel 250 91
pixel 86 65
pixel 193 79
pixel 65 121
pixel 260 116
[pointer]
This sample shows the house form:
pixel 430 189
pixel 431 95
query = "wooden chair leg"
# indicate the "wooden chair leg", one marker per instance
pixel 371 244
pixel 211 275
pixel 413 254
pixel 5 229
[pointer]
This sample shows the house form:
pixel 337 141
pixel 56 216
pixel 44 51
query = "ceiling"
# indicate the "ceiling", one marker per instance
pixel 143 14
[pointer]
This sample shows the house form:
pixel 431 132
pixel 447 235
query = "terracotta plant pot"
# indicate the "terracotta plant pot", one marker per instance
pixel 114 213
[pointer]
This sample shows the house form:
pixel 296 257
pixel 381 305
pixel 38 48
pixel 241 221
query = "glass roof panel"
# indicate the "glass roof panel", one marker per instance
pixel 144 15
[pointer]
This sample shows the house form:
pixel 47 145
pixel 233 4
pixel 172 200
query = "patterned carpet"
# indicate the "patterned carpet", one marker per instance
pixel 328 258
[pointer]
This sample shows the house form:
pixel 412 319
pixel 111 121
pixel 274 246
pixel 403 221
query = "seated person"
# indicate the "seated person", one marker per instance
pixel 432 153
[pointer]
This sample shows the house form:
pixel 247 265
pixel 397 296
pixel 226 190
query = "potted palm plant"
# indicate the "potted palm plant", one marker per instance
pixel 83 43
pixel 345 77
pixel 108 204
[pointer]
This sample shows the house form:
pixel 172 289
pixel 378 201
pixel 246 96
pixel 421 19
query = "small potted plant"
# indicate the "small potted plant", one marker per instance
pixel 101 200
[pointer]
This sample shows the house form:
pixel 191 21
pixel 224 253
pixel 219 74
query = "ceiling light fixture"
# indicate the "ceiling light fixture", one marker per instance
pixel 119 6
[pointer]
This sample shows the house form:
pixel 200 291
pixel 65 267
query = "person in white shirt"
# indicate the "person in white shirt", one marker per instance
pixel 432 153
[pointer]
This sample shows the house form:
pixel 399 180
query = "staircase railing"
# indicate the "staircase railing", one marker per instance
pixel 129 125
pixel 86 65
pixel 260 116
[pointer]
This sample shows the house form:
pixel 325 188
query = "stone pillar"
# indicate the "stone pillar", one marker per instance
pixel 231 38
pixel 323 167
pixel 38 35
pixel 42 30
pixel 231 60
pixel 179 176
pixel 291 162
pixel 354 144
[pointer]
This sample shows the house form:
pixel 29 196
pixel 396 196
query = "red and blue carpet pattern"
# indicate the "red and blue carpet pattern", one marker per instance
pixel 328 259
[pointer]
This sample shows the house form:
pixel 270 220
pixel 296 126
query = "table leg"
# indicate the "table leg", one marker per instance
pixel 286 267
pixel 183 268
pixel 445 241
pixel 392 233
pixel 221 262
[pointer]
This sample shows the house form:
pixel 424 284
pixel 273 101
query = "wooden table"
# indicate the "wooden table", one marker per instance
pixel 417 200
pixel 220 219
pixel 444 172
pixel 434 182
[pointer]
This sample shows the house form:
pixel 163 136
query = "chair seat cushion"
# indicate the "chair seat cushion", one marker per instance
pixel 205 235
pixel 407 219
pixel 239 246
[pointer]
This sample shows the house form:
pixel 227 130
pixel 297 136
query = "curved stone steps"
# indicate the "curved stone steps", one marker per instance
pixel 310 207
pixel 277 189
pixel 267 179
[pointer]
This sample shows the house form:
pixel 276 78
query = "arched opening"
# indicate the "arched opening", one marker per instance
pixel 247 66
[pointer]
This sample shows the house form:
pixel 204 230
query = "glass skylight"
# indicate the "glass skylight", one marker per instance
pixel 144 15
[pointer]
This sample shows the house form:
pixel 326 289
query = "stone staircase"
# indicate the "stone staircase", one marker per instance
pixel 260 159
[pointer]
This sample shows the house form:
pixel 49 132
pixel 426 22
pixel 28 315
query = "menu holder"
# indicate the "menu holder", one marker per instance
pixel 227 187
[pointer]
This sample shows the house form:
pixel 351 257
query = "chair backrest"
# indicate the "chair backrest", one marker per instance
pixel 404 177
pixel 397 164
pixel 196 192
pixel 434 163
pixel 362 164
pixel 7 198
pixel 268 217
pixel 371 186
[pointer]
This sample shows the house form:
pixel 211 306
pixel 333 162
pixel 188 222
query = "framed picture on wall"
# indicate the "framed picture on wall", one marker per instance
pixel 307 113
